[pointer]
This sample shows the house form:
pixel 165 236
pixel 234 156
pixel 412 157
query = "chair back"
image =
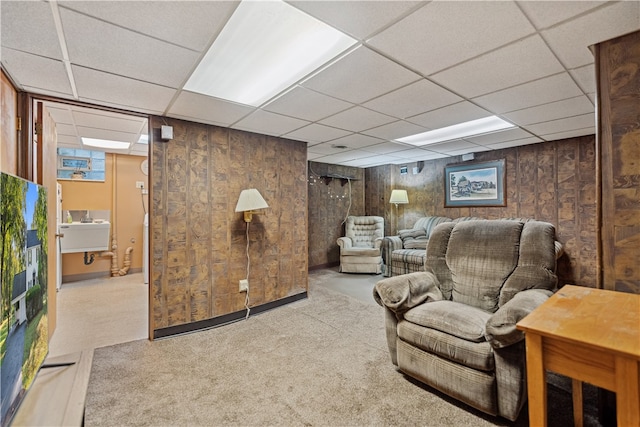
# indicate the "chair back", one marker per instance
pixel 484 263
pixel 364 230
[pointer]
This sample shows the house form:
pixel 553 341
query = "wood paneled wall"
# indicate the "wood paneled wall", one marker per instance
pixel 198 245
pixel 330 202
pixel 552 181
pixel 8 130
pixel 618 66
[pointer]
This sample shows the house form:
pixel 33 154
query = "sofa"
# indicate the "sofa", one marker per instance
pixel 361 247
pixel 405 253
pixel 452 326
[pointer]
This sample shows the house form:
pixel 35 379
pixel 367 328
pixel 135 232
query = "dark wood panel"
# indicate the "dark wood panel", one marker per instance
pixel 618 64
pixel 551 181
pixel 330 202
pixel 199 241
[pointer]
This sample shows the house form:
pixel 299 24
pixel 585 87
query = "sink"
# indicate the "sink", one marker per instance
pixel 84 237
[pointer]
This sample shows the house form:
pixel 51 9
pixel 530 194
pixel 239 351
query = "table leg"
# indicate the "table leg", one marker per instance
pixel 576 391
pixel 536 381
pixel 627 391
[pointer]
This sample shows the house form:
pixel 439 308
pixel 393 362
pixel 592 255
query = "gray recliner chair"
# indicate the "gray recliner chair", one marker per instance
pixel 361 248
pixel 453 326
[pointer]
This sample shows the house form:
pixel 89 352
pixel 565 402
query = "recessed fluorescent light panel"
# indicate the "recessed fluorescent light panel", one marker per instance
pixel 457 131
pixel 105 143
pixel 265 47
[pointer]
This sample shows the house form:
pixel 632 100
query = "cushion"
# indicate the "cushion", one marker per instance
pixel 481 255
pixel 453 318
pixel 417 243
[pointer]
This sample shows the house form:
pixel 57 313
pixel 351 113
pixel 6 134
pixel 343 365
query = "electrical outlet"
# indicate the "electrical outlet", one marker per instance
pixel 139 184
pixel 243 286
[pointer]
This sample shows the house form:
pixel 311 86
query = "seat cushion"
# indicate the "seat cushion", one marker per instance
pixel 460 320
pixel 356 251
pixel 476 355
pixel 409 256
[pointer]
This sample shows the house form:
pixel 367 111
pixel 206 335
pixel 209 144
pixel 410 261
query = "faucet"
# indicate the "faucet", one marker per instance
pixel 86 218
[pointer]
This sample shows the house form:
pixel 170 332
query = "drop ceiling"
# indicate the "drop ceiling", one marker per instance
pixel 417 66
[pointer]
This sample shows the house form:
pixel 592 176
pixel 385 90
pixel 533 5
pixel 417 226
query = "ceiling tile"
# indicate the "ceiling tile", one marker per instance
pixel 144 58
pixel 562 125
pixel 28 26
pixel 384 148
pixel 417 154
pixel 99 120
pixel 60 113
pixel 517 63
pixel 447 147
pixel 395 130
pixel 27 70
pixel 189 106
pixel 413 99
pixel 450 115
pixel 343 157
pixel 585 77
pixel 306 104
pixel 545 14
pixel 370 161
pixel 121 92
pixel 546 112
pixel 65 129
pixel 268 123
pixel 356 141
pixel 571 40
pixel 325 148
pixel 570 134
pixel 444 33
pixel 316 133
pixel 110 135
pixel 537 92
pixel 357 119
pixel 163 20
pixel 505 135
pixel 359 76
pixel 356 18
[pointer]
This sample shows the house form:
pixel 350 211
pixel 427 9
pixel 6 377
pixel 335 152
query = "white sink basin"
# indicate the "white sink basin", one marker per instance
pixel 84 237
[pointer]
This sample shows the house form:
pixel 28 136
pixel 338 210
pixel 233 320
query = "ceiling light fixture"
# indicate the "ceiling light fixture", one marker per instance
pixel 265 47
pixel 105 143
pixel 457 131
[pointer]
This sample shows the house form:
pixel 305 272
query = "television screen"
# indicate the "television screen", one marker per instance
pixel 23 271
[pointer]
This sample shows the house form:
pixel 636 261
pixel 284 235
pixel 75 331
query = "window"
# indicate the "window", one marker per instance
pixel 91 164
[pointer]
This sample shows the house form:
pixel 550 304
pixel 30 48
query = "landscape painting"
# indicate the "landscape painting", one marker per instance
pixel 475 184
pixel 23 271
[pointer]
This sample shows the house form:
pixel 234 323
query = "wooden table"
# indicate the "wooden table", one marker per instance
pixel 590 335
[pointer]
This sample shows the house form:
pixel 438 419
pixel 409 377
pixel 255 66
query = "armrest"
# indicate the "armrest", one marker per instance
pixel 345 242
pixel 406 291
pixel 378 242
pixel 500 329
pixel 392 243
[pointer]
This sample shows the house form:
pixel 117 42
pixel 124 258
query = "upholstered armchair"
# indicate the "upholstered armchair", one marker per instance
pixel 453 326
pixel 360 248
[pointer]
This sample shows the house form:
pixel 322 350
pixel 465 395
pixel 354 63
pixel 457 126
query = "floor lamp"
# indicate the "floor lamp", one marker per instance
pixel 398 197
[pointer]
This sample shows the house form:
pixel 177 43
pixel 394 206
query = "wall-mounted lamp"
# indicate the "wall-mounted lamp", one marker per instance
pixel 249 201
pixel 398 197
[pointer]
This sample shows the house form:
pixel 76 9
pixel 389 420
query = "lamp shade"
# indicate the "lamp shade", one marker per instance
pixel 250 199
pixel 399 197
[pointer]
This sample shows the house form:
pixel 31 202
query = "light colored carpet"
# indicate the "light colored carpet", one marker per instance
pixel 321 361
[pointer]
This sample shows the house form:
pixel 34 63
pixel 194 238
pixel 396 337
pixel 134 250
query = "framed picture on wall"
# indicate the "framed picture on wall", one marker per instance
pixel 475 184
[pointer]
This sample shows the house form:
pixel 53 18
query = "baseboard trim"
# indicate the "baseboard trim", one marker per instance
pixel 225 319
pixel 321 266
pixel 96 275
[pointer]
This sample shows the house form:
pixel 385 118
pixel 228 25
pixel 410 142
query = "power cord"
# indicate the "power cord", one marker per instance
pixel 246 297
